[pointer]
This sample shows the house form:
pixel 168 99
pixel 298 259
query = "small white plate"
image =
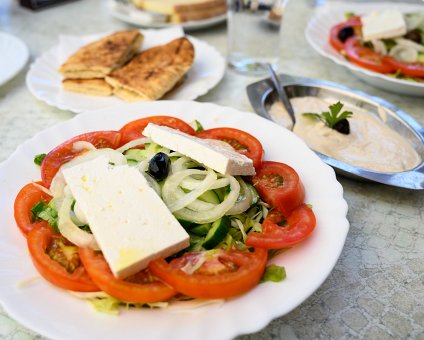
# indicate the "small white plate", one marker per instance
pixel 318 31
pixel 128 13
pixel 58 315
pixel 45 82
pixel 13 56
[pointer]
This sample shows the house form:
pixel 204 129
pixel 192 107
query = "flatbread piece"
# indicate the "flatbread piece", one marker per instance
pixel 154 72
pixel 98 59
pixel 94 87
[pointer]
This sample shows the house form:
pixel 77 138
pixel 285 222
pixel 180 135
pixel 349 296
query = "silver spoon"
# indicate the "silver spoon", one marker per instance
pixel 282 95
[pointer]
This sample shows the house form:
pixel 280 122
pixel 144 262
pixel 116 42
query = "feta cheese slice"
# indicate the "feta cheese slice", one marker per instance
pixel 129 221
pixel 211 153
pixel 383 25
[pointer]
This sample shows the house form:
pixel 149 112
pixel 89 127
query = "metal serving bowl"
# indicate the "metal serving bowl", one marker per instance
pixel 262 95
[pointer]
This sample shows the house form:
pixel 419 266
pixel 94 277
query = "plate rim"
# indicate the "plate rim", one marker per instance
pixel 25 55
pixel 318 46
pixel 241 328
pixel 51 54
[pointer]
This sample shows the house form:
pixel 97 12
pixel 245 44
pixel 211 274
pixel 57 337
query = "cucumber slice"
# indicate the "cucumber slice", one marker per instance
pixel 210 196
pixel 137 155
pixel 186 224
pixel 217 232
pixel 196 125
pixel 201 229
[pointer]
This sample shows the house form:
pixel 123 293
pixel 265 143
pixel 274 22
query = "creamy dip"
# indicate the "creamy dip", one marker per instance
pixel 370 144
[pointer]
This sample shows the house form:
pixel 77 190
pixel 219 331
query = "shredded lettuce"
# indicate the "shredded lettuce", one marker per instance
pixel 46 212
pixel 274 273
pixel 108 305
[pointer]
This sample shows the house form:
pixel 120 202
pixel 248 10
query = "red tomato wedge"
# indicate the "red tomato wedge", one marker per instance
pixel 27 197
pixel 66 272
pixel 241 141
pixel 223 273
pixel 299 225
pixel 139 288
pixel 64 152
pixel 279 185
pixel 410 69
pixel 334 32
pixel 134 129
pixel 366 57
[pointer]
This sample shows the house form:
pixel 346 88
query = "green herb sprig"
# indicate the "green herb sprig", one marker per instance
pixel 333 118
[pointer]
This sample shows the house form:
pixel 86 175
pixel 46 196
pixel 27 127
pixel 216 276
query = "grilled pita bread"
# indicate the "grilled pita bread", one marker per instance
pixel 154 72
pixel 98 59
pixel 95 87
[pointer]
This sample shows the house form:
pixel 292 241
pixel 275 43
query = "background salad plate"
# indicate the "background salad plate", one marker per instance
pixel 56 314
pixel 318 31
pixel 45 82
pixel 126 12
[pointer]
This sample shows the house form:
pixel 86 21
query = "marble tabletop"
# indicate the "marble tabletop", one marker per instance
pixel 376 290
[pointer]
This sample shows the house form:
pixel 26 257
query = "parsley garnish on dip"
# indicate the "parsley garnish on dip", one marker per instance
pixel 333 119
pixel 370 144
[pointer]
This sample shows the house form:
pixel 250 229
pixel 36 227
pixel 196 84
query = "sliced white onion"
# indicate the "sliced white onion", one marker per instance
pixel 414 20
pixel 58 182
pixel 79 214
pixel 70 230
pixel 152 182
pixel 134 143
pixel 83 145
pixel 217 212
pixel 180 164
pixel 379 46
pixel 244 201
pixel 192 183
pixel 44 189
pixel 172 193
pixel 404 53
pixel 409 43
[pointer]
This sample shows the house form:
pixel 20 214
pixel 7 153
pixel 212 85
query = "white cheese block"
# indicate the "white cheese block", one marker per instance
pixel 211 153
pixel 129 221
pixel 383 25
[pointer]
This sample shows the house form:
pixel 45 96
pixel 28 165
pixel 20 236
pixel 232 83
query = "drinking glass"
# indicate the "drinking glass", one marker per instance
pixel 254 35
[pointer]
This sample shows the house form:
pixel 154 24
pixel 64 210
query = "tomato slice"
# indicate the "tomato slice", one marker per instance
pixel 298 226
pixel 410 69
pixel 134 129
pixel 64 152
pixel 366 57
pixel 223 273
pixel 241 141
pixel 140 288
pixel 279 185
pixel 334 32
pixel 27 197
pixel 66 270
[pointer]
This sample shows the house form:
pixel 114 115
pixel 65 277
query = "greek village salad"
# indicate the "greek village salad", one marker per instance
pixel 388 42
pixel 161 210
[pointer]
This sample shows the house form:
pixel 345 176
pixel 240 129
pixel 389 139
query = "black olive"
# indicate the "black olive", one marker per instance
pixel 159 166
pixel 342 126
pixel 345 33
pixel 414 35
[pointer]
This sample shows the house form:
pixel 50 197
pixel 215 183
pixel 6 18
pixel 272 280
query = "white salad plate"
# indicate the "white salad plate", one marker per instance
pixel 128 13
pixel 56 314
pixel 45 82
pixel 13 57
pixel 318 31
